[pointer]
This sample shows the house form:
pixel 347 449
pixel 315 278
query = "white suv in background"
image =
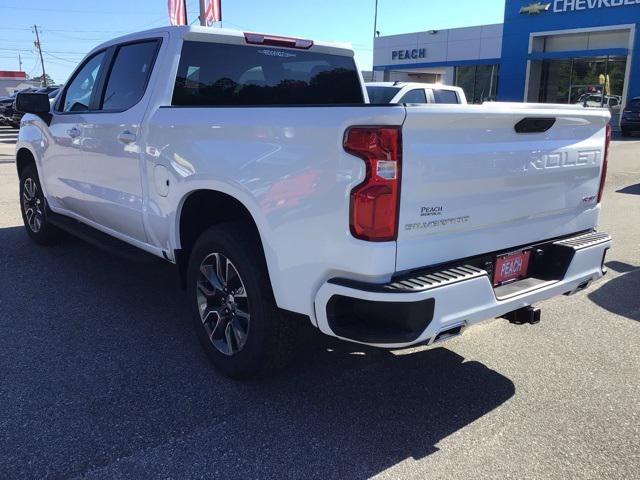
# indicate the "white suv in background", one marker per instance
pixel 402 92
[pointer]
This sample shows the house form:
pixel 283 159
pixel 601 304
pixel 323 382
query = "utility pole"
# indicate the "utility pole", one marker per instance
pixel 37 44
pixel 186 20
pixel 203 20
pixel 19 62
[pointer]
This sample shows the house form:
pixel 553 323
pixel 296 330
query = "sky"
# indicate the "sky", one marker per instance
pixel 70 28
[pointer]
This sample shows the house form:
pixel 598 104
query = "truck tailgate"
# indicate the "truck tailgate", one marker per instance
pixel 471 184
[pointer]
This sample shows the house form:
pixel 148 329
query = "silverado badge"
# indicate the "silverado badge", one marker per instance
pixel 535 8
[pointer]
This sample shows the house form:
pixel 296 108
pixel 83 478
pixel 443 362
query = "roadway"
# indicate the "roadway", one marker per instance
pixel 101 377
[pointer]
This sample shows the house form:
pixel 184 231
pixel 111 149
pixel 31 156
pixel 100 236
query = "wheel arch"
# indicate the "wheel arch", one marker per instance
pixel 24 158
pixel 195 214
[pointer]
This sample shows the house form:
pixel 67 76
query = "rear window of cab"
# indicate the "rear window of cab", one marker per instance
pixel 213 74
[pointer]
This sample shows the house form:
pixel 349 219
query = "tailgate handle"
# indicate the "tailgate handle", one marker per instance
pixel 534 125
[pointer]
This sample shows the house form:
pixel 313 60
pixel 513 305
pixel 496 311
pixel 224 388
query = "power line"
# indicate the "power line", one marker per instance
pixel 33 69
pixel 50 51
pixel 101 12
pixel 60 58
pixel 71 37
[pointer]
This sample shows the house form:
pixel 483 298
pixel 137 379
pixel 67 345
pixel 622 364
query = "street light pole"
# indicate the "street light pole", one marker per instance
pixel 203 20
pixel 375 21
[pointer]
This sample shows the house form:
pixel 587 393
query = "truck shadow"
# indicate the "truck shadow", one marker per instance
pixel 631 189
pixel 102 374
pixel 620 295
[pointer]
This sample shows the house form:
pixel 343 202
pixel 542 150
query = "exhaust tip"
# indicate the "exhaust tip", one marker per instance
pixel 449 333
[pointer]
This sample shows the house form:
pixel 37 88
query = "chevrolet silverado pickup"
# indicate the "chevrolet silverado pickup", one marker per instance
pixel 257 166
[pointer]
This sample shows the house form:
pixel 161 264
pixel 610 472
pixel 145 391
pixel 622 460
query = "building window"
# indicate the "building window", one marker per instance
pixel 567 80
pixel 479 82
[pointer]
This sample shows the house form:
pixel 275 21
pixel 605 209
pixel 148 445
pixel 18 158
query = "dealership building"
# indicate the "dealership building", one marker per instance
pixel 550 51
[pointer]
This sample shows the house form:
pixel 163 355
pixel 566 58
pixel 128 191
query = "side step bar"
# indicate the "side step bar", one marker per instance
pixel 101 240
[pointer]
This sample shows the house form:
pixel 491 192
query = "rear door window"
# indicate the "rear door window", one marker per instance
pixel 416 95
pixel 445 96
pixel 129 74
pixel 211 74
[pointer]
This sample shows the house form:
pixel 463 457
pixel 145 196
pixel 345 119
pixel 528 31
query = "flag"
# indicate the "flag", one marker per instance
pixel 213 12
pixel 177 14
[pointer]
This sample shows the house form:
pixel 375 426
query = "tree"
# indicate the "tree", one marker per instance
pixel 39 79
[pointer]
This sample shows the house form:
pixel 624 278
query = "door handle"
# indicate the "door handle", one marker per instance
pixel 74 132
pixel 127 137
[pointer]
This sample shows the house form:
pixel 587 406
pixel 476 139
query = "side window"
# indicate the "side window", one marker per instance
pixel 414 96
pixel 129 74
pixel 445 96
pixel 77 96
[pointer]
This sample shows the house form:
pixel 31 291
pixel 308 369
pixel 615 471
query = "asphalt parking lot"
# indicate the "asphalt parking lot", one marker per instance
pixel 102 377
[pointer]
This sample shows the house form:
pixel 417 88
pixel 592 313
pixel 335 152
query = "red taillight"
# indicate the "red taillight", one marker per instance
pixel 272 40
pixel 605 163
pixel 374 203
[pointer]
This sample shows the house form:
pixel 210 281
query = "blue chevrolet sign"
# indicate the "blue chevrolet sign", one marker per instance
pixel 526 19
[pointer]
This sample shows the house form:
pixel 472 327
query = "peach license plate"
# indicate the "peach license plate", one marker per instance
pixel 511 267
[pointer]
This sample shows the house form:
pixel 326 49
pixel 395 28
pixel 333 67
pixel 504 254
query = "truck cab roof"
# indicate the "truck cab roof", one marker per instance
pixel 233 36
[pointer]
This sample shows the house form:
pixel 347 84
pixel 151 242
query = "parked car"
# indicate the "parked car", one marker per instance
pixel 49 89
pixel 595 101
pixel 14 116
pixel 5 102
pixel 631 118
pixel 405 92
pixel 253 163
pixel 6 107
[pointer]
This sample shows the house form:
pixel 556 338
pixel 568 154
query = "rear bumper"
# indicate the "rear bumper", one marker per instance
pixel 420 308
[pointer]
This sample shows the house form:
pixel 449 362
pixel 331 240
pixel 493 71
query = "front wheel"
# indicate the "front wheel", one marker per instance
pixel 34 209
pixel 235 315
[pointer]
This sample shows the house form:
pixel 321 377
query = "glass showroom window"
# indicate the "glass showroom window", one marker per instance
pixel 568 80
pixel 479 82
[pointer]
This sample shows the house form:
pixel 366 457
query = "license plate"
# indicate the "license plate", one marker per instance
pixel 510 267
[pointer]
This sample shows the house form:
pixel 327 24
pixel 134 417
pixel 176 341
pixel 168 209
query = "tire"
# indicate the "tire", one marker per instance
pixel 626 133
pixel 235 315
pixel 33 206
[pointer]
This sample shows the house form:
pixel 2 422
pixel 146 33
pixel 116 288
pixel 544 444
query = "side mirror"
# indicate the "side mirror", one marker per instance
pixel 36 103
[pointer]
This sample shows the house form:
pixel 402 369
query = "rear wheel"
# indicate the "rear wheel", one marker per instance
pixel 34 209
pixel 235 315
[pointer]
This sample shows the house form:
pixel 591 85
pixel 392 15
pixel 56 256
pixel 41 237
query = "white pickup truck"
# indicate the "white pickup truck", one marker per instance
pixel 254 163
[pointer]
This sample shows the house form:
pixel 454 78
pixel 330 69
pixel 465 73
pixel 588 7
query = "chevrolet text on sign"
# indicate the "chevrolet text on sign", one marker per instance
pixel 560 6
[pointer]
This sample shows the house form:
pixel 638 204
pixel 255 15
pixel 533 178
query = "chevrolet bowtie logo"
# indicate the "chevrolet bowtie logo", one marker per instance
pixel 535 8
